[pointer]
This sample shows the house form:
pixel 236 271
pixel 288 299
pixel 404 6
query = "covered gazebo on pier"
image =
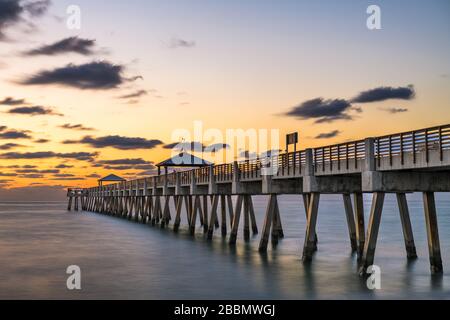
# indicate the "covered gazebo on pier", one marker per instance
pixel 183 159
pixel 110 178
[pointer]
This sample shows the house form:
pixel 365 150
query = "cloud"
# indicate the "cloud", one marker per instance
pixel 63 166
pixel 328 135
pixel 54 171
pixel 9 101
pixel 94 176
pixel 180 43
pixel 42 141
pixel 395 110
pixel 78 127
pixel 8 174
pixel 11 134
pixel 34 111
pixel 136 161
pixel 385 93
pixel 34 193
pixel 67 45
pixel 101 75
pixel 32 176
pixel 117 142
pixel 136 94
pixel 248 155
pixel 69 179
pixel 10 146
pixel 190 146
pixel 85 156
pixel 13 12
pixel 322 110
pixel 217 147
pixel 37 8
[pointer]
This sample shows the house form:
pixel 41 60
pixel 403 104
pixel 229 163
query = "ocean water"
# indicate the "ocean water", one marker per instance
pixel 120 259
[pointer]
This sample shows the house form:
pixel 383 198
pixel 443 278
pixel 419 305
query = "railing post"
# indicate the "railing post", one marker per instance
pixel 212 186
pixel 369 157
pixel 178 184
pixel 236 179
pixel 145 188
pixel 309 180
pixel 193 183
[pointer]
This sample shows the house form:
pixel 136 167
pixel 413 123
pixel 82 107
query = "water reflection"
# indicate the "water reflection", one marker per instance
pixel 122 259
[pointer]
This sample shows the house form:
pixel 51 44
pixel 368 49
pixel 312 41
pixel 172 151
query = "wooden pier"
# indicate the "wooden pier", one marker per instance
pixel 415 161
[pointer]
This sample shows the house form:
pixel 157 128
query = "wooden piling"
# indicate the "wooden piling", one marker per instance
pixel 195 211
pixel 372 232
pixel 252 216
pixel 360 225
pixel 406 226
pixel 69 207
pixel 246 219
pixel 212 221
pixel 306 197
pixel 350 221
pixel 236 218
pixel 432 233
pixel 268 220
pixel 310 239
pixel 176 225
pixel 223 212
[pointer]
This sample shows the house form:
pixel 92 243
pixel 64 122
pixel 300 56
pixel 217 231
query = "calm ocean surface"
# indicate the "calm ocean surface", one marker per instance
pixel 125 260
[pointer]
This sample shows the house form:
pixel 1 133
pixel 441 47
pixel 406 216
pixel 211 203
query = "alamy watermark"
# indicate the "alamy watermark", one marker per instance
pixel 74 280
pixel 374 19
pixel 227 146
pixel 73 21
pixel 374 280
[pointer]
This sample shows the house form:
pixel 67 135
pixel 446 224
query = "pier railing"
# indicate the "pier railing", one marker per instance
pixel 429 147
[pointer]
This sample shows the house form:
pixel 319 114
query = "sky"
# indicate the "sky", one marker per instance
pixel 78 104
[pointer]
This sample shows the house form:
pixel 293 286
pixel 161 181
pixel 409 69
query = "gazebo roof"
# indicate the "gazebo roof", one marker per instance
pixel 184 159
pixel 112 178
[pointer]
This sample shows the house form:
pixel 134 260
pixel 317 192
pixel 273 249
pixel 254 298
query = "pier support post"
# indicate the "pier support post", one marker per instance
pixel 306 198
pixel 230 209
pixel 246 219
pixel 406 226
pixel 350 221
pixel 236 218
pixel 166 212
pixel 176 225
pixel 268 221
pixel 69 206
pixel 197 208
pixel 212 221
pixel 252 215
pixel 360 225
pixel 313 209
pixel 372 232
pixel 432 233
pixel 223 212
